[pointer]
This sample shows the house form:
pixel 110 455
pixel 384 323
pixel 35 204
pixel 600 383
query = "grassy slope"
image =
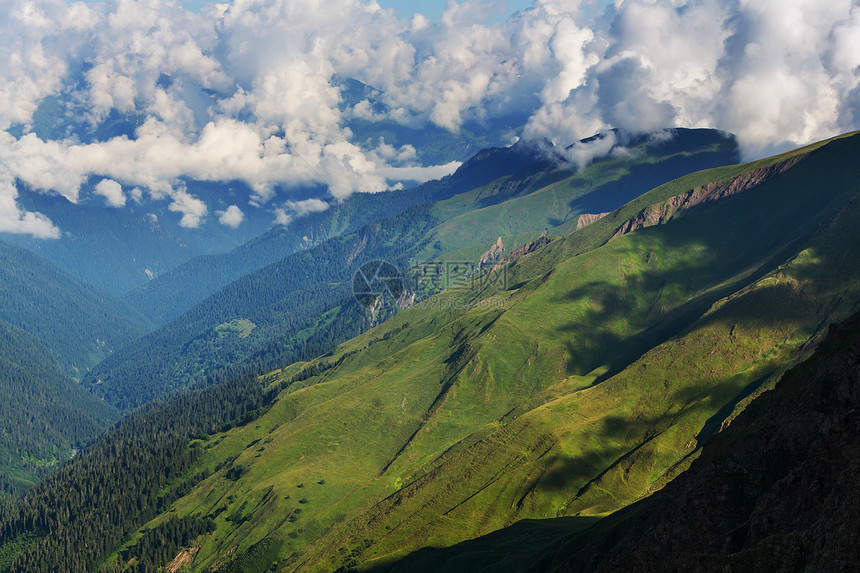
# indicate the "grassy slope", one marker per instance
pixel 442 425
pixel 591 451
pixel 285 307
pixel 552 198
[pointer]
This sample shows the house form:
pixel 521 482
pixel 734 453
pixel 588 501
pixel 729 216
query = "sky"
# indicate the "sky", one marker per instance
pixel 248 90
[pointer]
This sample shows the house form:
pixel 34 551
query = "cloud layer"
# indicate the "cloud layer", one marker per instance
pixel 250 90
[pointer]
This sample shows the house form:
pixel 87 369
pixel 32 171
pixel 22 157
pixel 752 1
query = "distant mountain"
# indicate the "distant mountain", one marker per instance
pixel 302 305
pixel 44 414
pixel 585 381
pixel 121 249
pixel 171 294
pixel 78 323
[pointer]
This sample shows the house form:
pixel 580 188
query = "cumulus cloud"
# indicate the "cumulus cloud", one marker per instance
pixel 251 90
pixel 14 220
pixel 192 209
pixel 112 191
pixel 293 209
pixel 231 217
pixel 584 152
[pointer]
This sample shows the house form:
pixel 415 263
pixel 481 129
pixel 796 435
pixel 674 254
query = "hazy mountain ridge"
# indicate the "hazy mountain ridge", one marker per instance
pixel 173 293
pixel 77 322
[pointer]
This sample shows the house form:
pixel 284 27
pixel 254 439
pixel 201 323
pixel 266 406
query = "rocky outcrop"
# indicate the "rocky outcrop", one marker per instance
pixel 531 247
pixel 589 218
pixel 494 254
pixel 704 196
pixel 357 251
pixel 184 558
pixel 778 490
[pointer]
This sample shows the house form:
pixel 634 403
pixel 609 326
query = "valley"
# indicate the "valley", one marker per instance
pixel 457 286
pixel 573 383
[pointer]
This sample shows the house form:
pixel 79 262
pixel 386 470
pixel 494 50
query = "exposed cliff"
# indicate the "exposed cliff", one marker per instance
pixel 589 218
pixel 531 247
pixel 703 196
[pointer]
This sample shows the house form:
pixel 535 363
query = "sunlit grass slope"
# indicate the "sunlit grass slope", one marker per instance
pixel 586 382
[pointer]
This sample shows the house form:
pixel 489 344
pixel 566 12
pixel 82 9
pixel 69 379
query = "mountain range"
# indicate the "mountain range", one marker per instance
pixel 633 368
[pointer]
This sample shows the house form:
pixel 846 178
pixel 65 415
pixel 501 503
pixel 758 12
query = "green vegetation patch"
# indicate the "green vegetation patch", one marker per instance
pixel 241 326
pixel 15 547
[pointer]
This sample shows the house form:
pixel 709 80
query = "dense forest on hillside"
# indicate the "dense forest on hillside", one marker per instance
pixel 282 304
pixel 44 414
pixel 78 323
pixel 78 515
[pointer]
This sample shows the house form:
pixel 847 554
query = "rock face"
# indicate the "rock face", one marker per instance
pixel 589 218
pixel 779 490
pixel 493 254
pixel 522 251
pixel 701 196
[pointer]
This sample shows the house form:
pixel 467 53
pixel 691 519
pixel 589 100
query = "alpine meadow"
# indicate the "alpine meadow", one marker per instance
pixel 456 286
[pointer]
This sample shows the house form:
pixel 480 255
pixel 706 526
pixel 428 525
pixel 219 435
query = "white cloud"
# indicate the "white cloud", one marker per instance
pixel 232 217
pixel 584 152
pixel 418 173
pixel 193 210
pixel 294 209
pixel 112 191
pixel 13 220
pixel 249 90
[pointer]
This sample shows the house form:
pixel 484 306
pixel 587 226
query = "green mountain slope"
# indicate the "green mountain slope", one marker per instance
pixel 585 380
pixel 300 306
pixel 575 394
pixel 750 501
pixel 44 414
pixel 78 323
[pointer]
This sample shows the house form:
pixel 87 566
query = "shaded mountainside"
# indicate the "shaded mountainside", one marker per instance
pixel 775 491
pixel 301 306
pixel 44 414
pixel 78 323
pixel 586 380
